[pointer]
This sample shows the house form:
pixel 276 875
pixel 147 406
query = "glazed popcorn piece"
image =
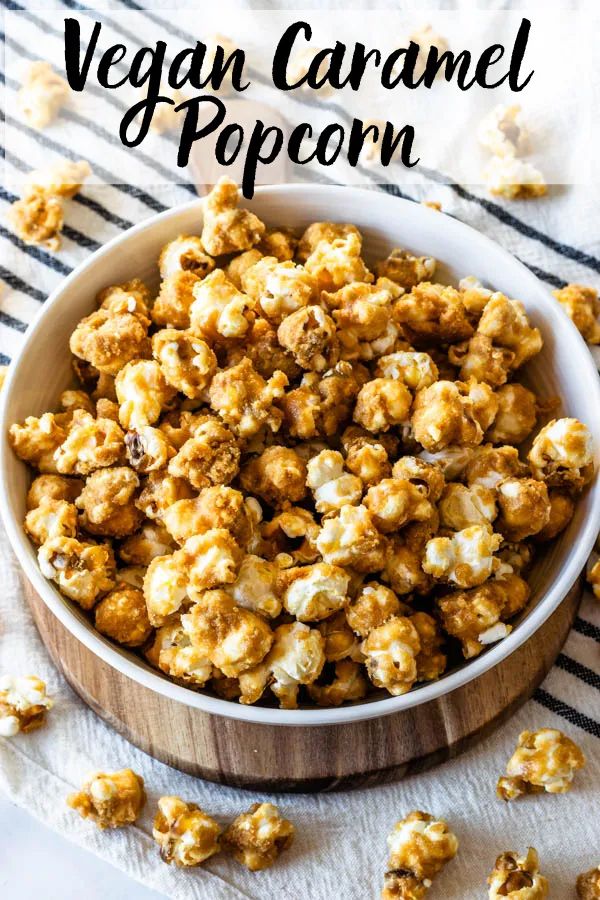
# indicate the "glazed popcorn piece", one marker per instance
pixel 53 487
pixel 363 316
pixel 226 228
pixel 277 476
pixel 545 760
pixel 395 501
pixel 514 179
pixel 185 254
pixel 37 439
pixel 23 704
pixel 461 506
pixel 405 269
pixel 218 310
pixel 216 506
pixel 52 518
pixel 142 391
pixel 37 218
pixel 465 559
pixel 431 661
pixel 479 358
pixel 588 885
pixel 175 298
pixel 309 335
pixel 477 616
pixel 366 458
pixel 351 539
pixel 89 444
pixel 524 507
pixel 562 454
pixel 147 449
pixel 165 587
pixel 348 684
pixel 420 847
pixel 391 650
pixel 315 592
pixel 503 131
pixel 415 370
pixel 82 571
pixel 111 800
pixel 232 637
pixel 257 586
pixel 123 616
pixel 210 457
pixel 382 403
pixel 173 653
pixel 323 231
pixel 258 836
pixel 278 242
pixel 488 466
pixel 445 414
pixel 107 504
pixel 331 487
pixel 374 604
pixel 433 314
pixel 279 288
pixel 160 491
pixel 187 362
pixel 42 94
pixel 296 657
pixel 186 835
pixel 505 322
pixel 582 306
pixel 516 415
pixel 245 401
pixel 335 263
pixel 518 877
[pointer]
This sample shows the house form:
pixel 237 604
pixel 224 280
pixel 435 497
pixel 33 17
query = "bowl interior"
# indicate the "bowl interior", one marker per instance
pixel 564 369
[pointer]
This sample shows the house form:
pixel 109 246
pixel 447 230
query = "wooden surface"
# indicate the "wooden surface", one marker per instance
pixel 306 759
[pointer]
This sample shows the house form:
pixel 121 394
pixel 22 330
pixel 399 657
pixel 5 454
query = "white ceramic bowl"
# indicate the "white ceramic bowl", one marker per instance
pixel 564 368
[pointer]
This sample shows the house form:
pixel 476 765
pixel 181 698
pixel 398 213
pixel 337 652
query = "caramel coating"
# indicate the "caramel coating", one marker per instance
pixel 185 834
pixel 391 650
pixel 111 800
pixel 588 885
pixel 258 836
pixel 23 704
pixel 122 615
pixel 277 476
pixel 545 760
pixel 226 227
pixel 433 314
pixel 405 269
pixel 420 847
pixel 211 456
pixel 517 877
pixel 582 306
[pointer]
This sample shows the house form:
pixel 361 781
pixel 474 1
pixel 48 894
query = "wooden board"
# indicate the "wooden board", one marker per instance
pixel 306 759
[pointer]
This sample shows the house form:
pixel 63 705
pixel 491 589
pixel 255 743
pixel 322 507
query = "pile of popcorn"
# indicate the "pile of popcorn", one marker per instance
pixel 288 474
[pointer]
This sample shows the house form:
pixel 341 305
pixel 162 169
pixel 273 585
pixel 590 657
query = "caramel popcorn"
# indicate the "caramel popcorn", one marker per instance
pixel 391 650
pixel 518 877
pixel 232 637
pixel 245 401
pixel 466 558
pixel 315 592
pixel 122 615
pixel 186 835
pixel 111 800
pixel 42 94
pixel 477 617
pixel 308 473
pixel 562 454
pixel 503 131
pixel 278 476
pixel 228 229
pixel 296 658
pixel 545 760
pixel 82 571
pixel 185 254
pixel 23 704
pixel 258 836
pixel 420 847
pixel 173 653
pixel 514 179
pixel 582 306
pixel 588 885
pixel 593 579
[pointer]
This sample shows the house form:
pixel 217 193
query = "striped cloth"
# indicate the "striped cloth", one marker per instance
pixel 340 849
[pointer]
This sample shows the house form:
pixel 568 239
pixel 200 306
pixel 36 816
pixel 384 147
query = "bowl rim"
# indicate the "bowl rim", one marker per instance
pixel 471 669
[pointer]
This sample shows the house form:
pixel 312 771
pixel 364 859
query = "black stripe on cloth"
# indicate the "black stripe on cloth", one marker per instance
pixel 493 209
pixel 72 233
pixel 554 280
pixel 567 712
pixel 4 360
pixel 35 252
pixel 587 629
pixel 12 322
pixel 570 665
pixel 17 284
pixel 107 176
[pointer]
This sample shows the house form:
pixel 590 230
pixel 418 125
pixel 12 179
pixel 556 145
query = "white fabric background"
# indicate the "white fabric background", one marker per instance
pixel 340 849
